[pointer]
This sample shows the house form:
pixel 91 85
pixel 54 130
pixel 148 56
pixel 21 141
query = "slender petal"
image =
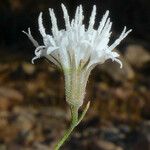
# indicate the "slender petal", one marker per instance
pixel 66 17
pixel 80 15
pixel 122 36
pixel 76 16
pixel 41 27
pixel 35 43
pixel 103 21
pixel 92 18
pixel 54 22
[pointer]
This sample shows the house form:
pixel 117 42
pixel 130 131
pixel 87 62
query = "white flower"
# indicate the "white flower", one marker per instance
pixel 77 50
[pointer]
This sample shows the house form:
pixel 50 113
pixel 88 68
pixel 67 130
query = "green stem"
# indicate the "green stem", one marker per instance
pixel 74 115
pixel 67 134
pixel 74 123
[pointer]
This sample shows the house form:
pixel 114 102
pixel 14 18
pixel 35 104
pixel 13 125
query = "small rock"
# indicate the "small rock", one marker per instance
pixel 4 103
pixel 28 68
pixel 4 115
pixel 105 145
pixel 9 97
pixel 112 134
pixel 11 94
pixel 137 55
pixel 9 133
pixel 124 128
pixel 26 121
pixel 40 146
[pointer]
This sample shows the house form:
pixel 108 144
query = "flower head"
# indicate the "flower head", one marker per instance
pixel 77 50
pixel 76 46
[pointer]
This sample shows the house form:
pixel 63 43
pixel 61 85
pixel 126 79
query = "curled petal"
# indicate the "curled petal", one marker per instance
pixel 39 49
pixel 119 62
pixel 33 59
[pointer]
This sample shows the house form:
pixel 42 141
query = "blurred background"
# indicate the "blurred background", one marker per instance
pixel 33 111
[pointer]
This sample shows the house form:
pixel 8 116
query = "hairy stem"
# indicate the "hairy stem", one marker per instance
pixel 75 121
pixel 74 115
